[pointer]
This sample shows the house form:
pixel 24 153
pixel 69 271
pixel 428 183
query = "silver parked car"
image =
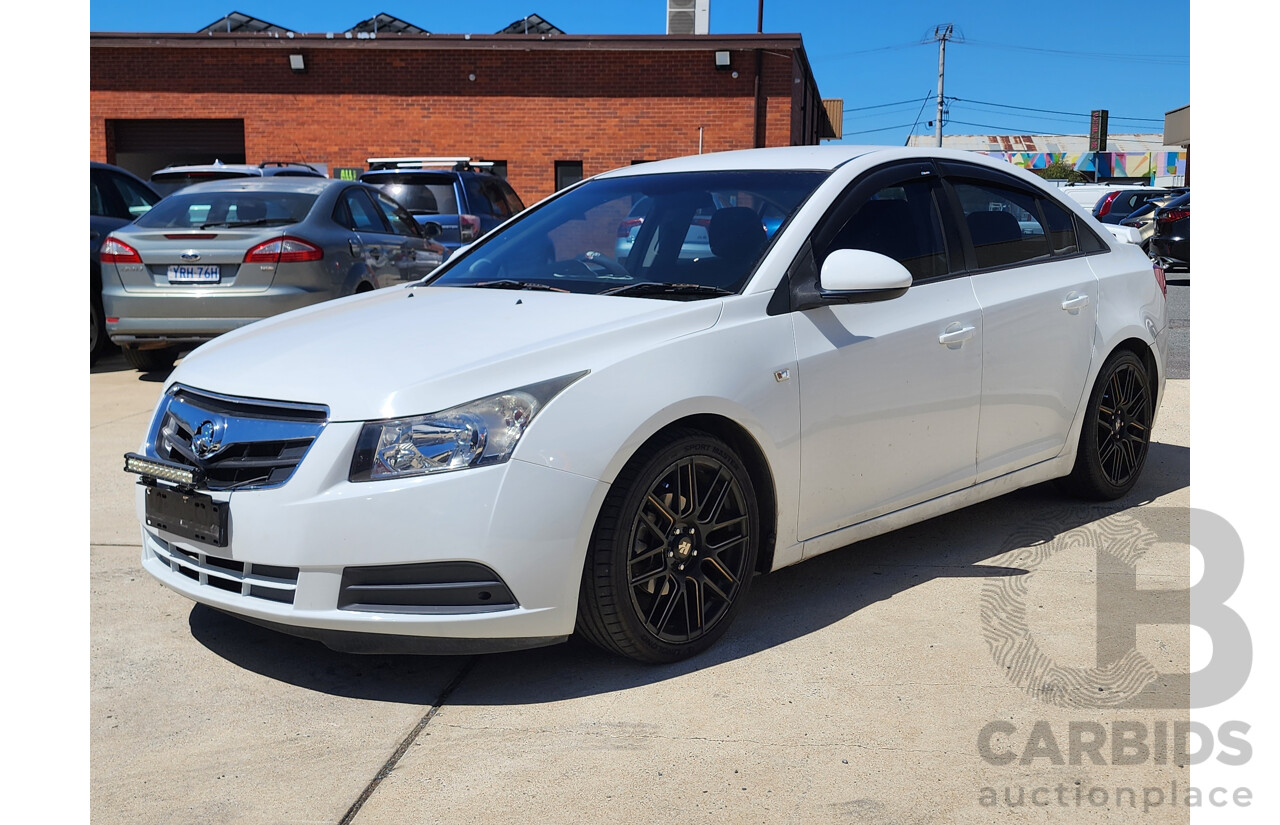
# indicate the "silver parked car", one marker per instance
pixel 216 256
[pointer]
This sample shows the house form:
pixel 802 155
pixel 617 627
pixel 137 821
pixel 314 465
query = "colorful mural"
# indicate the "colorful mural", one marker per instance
pixel 1104 164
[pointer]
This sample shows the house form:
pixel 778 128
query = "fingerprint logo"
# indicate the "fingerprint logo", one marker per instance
pixel 1005 627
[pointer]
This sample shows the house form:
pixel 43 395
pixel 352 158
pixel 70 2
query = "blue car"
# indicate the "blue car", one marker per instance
pixel 116 197
pixel 454 199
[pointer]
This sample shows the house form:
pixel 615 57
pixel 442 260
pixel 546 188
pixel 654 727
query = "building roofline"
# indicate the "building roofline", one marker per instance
pixel 479 42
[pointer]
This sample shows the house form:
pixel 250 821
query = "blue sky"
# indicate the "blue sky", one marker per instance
pixel 1005 61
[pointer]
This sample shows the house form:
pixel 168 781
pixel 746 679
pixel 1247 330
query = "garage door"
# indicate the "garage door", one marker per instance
pixel 143 146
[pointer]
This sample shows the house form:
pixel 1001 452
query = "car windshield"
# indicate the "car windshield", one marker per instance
pixel 188 210
pixel 694 234
pixel 420 194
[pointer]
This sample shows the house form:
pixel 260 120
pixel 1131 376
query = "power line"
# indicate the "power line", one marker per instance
pixel 881 105
pixel 1051 111
pixel 882 129
pixel 837 55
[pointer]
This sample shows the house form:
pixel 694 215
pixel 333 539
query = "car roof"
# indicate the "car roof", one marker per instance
pixel 277 183
pixel 94 164
pixel 251 168
pixel 801 158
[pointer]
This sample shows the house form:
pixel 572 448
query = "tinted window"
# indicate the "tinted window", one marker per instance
pixel 360 213
pixel 402 223
pixel 137 200
pixel 485 198
pixel 1061 228
pixel 900 221
pixel 513 200
pixel 1003 222
pixel 166 182
pixel 186 210
pixel 420 194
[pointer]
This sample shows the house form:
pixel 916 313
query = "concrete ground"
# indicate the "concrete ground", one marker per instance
pixel 855 687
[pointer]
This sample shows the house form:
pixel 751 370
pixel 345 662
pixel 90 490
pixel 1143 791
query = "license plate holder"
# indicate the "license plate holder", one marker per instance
pixel 194 274
pixel 190 515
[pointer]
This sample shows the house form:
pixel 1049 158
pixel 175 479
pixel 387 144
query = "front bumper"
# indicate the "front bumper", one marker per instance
pixel 289 547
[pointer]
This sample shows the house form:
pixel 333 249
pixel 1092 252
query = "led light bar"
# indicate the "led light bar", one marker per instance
pixel 162 470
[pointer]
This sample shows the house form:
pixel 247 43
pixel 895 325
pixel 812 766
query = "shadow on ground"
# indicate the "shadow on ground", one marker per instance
pixel 781 607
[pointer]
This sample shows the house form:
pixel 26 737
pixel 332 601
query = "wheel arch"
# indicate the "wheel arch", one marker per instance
pixel 1141 349
pixel 748 449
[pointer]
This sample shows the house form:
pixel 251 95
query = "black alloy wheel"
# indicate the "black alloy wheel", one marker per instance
pixel 673 551
pixel 1117 430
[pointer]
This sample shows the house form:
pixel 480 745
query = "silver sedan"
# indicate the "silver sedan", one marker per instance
pixel 216 256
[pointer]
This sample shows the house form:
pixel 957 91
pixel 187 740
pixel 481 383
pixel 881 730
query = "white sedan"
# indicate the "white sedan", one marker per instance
pixel 541 438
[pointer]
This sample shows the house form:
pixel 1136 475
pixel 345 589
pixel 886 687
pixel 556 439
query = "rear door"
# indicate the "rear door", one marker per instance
pixel 1039 300
pixel 373 244
pixel 413 257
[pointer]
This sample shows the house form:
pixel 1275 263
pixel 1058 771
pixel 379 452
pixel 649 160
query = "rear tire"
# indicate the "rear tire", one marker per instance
pixel 150 360
pixel 673 551
pixel 1116 431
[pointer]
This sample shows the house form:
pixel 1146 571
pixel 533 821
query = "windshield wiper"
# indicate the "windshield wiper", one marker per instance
pixel 659 288
pixel 507 283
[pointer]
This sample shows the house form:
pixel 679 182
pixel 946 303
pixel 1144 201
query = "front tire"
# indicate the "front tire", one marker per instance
pixel 1116 431
pixel 673 551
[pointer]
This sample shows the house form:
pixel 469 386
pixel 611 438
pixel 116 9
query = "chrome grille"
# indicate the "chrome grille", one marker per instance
pixel 238 443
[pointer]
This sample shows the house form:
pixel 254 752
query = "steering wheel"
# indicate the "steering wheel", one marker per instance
pixel 616 270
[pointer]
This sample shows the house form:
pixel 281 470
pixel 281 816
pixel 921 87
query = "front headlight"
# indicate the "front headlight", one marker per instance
pixel 474 434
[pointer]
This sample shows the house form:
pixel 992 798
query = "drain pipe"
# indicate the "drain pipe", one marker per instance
pixel 755 122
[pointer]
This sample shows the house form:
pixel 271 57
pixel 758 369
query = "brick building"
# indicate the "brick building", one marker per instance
pixel 546 107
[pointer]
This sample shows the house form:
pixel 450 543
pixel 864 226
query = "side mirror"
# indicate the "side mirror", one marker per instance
pixel 854 276
pixel 431 229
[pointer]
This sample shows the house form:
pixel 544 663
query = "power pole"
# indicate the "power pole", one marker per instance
pixel 942 34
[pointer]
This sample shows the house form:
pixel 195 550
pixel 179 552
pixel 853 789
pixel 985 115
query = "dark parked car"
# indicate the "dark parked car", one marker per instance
pixel 1143 218
pixel 116 197
pixel 1171 243
pixel 172 178
pixel 455 194
pixel 1114 207
pixel 217 256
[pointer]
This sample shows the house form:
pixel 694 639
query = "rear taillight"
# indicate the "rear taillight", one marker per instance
pixel 468 227
pixel 1158 271
pixel 624 228
pixel 284 250
pixel 1105 206
pixel 1172 215
pixel 116 251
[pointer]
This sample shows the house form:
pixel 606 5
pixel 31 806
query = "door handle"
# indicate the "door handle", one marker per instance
pixel 1075 302
pixel 954 336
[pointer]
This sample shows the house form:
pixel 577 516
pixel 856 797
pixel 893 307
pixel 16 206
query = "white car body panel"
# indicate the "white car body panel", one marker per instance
pixel 863 419
pixel 894 437
pixel 1039 344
